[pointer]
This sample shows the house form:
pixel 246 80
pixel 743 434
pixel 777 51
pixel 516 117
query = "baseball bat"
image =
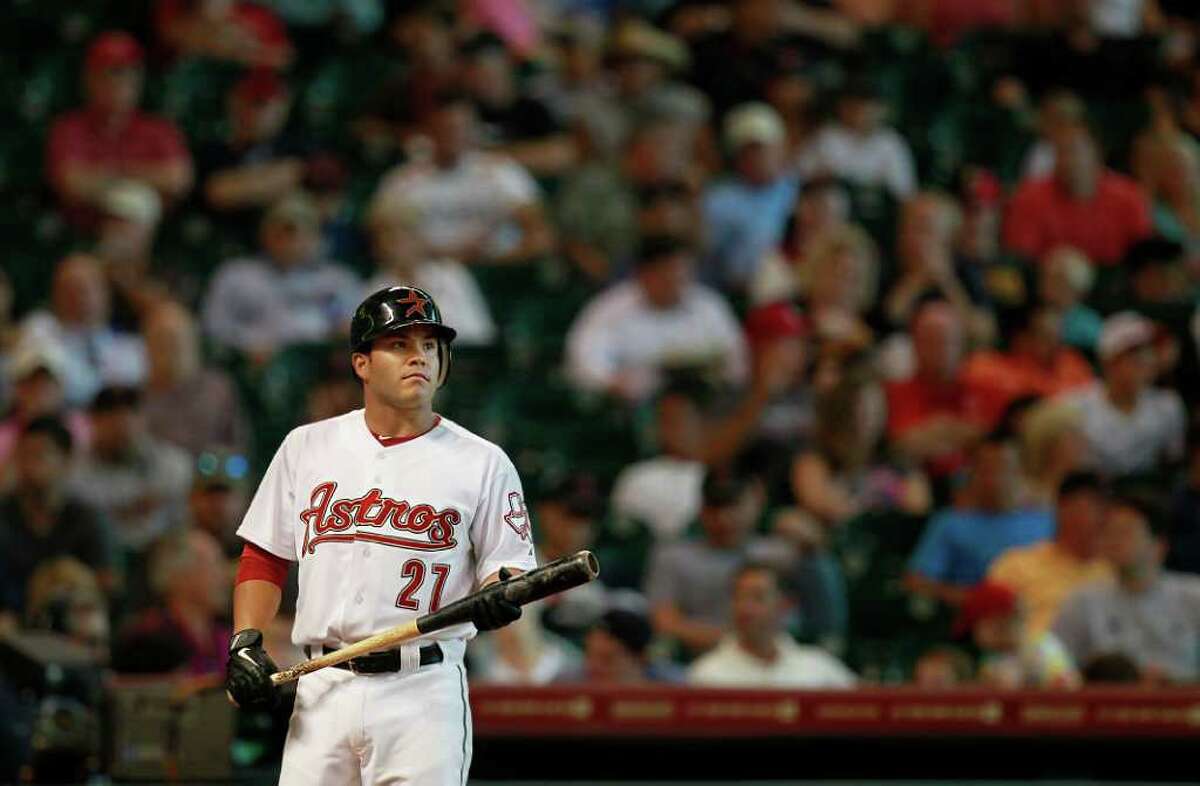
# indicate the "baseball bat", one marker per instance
pixel 550 579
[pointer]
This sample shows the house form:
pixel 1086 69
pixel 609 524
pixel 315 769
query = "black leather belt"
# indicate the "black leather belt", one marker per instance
pixel 380 662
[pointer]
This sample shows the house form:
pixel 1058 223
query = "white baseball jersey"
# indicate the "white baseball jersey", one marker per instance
pixel 385 531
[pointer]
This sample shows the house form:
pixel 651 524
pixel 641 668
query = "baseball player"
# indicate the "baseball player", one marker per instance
pixel 390 511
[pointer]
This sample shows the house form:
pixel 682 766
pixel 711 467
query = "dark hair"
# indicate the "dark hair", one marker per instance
pixel 115 397
pixel 757 566
pixel 1111 667
pixel 723 488
pixel 1150 252
pixel 1146 506
pixel 449 98
pixel 578 493
pixel 1080 481
pixel 628 627
pixel 481 43
pixel 655 248
pixel 1015 410
pixel 51 427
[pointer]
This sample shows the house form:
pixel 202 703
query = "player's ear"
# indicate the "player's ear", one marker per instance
pixel 361 363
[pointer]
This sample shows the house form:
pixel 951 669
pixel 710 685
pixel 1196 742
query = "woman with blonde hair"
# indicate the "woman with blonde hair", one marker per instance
pixel 1052 446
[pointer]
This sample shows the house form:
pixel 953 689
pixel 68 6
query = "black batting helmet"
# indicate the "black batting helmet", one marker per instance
pixel 394 308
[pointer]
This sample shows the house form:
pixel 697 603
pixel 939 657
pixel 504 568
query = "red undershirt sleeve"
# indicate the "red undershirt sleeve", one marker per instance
pixel 260 564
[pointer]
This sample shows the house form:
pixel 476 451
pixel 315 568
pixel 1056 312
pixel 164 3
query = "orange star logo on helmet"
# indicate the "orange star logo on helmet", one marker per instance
pixel 416 305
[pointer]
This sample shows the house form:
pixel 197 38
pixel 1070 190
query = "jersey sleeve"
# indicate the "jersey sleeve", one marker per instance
pixel 268 522
pixel 502 532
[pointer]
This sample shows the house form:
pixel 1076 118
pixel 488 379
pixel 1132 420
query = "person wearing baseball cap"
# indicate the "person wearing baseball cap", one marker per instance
pixel 992 617
pixel 745 215
pixel 1130 425
pixel 110 138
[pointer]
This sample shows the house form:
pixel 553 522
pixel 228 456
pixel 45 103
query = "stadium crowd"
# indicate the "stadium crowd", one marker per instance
pixel 858 337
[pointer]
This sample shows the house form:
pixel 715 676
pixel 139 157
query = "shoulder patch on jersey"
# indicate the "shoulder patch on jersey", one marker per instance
pixel 517 516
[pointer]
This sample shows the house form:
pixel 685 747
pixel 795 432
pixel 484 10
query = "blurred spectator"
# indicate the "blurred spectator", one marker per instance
pixel 843 284
pixel 932 416
pixel 778 410
pixel 139 482
pixel 420 36
pixel 1052 447
pixel 247 34
pixel 193 406
pixel 130 216
pixel 1065 277
pixel 567 517
pixel 259 162
pixel 41 519
pixel 1175 190
pixel 510 120
pixel 942 667
pixel 1158 285
pixel 288 294
pixel 1131 426
pixel 581 82
pixel 1082 204
pixel 857 146
pixel 331 395
pixel 688 581
pixel 821 207
pixel 627 336
pixel 110 138
pixel 36 374
pixel 745 215
pixel 930 222
pixel 734 61
pixel 758 652
pixel 473 206
pixel 1184 534
pixel 1060 112
pixel 843 473
pixel 64 596
pixel 663 492
pixel 643 60
pixel 604 205
pixel 1036 363
pixel 960 544
pixel 1010 656
pixel 218 499
pixel 616 651
pixel 977 247
pixel 1148 614
pixel 183 631
pixel 1045 574
pixel 401 260
pixel 77 323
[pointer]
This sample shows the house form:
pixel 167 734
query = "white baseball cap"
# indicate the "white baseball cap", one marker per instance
pixel 30 357
pixel 1123 332
pixel 753 122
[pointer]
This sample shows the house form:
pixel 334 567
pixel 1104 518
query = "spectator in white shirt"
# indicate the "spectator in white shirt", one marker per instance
pixel 77 323
pixel 288 294
pixel 858 147
pixel 400 260
pixel 663 492
pixel 472 206
pixel 758 652
pixel 661 319
pixel 1130 426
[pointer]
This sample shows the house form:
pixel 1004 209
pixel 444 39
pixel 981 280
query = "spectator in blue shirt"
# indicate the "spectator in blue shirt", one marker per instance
pixel 960 543
pixel 746 214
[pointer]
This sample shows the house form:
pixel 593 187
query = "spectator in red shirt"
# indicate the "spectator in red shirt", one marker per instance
pixel 110 139
pixel 932 415
pixel 1036 363
pixel 1082 204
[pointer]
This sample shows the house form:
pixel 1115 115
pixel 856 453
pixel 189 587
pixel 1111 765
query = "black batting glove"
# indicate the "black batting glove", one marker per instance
pixel 492 610
pixel 248 672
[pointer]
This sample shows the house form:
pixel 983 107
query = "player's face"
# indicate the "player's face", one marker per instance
pixel 403 368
